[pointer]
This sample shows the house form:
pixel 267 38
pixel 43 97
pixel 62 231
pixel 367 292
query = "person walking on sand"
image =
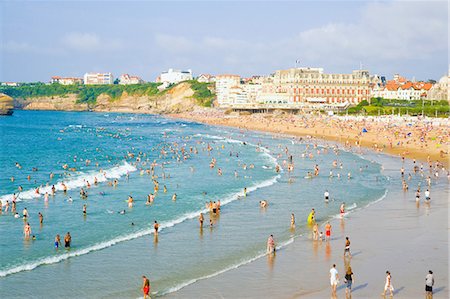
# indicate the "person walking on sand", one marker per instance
pixel 347 247
pixel 348 279
pixel 270 245
pixel 334 279
pixel 388 285
pixel 145 287
pixel 429 283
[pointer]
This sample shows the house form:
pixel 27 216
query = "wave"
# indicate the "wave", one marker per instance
pixel 135 235
pixel 265 151
pixel 75 182
pixel 232 267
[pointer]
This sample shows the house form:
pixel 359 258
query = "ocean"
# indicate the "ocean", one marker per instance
pixel 110 251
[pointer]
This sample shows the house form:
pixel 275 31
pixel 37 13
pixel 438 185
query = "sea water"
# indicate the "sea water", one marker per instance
pixel 111 251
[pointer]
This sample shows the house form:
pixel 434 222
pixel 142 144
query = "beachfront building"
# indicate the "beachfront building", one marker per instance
pixel 440 90
pixel 312 85
pixel 225 84
pixel 98 78
pixel 126 79
pixel 206 78
pixel 174 76
pixel 402 89
pixel 66 80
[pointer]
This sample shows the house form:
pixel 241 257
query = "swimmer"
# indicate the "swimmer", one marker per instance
pixel 263 203
pixel 174 197
pixel 16 215
pixel 70 199
pixel 130 201
pixel 326 195
pixel 121 212
pixel 25 214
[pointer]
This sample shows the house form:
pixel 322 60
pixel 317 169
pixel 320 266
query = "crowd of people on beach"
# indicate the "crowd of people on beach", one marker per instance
pixel 420 133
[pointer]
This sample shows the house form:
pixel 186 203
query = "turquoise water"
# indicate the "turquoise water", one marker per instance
pixel 108 254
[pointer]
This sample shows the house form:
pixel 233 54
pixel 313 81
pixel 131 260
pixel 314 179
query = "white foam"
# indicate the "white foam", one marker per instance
pixel 75 182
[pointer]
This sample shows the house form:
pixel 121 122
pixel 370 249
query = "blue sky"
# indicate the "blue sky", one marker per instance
pixel 68 38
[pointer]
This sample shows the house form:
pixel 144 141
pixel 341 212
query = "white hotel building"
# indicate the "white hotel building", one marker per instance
pixel 98 78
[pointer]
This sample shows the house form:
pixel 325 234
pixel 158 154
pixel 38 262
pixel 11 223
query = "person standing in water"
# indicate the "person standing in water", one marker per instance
pixel 57 241
pixel 67 240
pixel 292 220
pixel 342 209
pixel 327 231
pixel 156 227
pixel 27 230
pixel 270 245
pixel 201 219
pixel 41 218
pixel 145 287
pixel 326 195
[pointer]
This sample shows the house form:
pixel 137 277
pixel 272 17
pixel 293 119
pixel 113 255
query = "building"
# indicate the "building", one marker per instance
pixel 440 90
pixel 13 84
pixel 174 76
pixel 225 84
pixel 126 79
pixel 311 85
pixel 401 89
pixel 206 78
pixel 66 80
pixel 98 78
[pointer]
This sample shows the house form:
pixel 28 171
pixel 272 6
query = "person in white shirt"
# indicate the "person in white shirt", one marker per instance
pixel 334 279
pixel 429 282
pixel 326 195
pixel 388 285
pixel 427 195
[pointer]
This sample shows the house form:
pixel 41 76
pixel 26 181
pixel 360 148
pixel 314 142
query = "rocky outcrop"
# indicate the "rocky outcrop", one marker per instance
pixel 6 104
pixel 177 99
pixel 64 103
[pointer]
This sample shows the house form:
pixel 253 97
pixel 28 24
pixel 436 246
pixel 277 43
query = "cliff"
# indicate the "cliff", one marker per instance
pixel 180 98
pixel 6 104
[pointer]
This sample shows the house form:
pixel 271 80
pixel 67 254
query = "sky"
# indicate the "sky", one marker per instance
pixel 41 39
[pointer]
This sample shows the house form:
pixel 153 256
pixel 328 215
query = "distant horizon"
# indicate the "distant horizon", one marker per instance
pixel 386 38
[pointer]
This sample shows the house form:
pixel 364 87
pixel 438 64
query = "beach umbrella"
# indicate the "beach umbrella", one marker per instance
pixel 364 130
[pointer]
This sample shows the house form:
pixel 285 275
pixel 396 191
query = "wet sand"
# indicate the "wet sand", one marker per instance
pixel 393 234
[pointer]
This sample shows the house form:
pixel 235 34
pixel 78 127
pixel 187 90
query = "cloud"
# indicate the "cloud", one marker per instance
pixel 15 46
pixel 89 42
pixel 385 36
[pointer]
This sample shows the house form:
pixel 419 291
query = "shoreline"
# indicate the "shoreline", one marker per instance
pixel 323 130
pixel 390 233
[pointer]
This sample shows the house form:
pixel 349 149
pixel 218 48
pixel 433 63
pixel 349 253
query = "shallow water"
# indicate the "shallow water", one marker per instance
pixel 108 254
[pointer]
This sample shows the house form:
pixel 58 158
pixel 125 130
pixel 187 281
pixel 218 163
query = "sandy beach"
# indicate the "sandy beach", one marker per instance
pixel 392 234
pixel 421 139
